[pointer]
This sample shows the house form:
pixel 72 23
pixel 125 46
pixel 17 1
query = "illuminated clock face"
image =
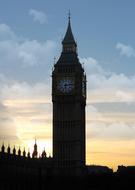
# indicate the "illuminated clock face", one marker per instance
pixel 65 85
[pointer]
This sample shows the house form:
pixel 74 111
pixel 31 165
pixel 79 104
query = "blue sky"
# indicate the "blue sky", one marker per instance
pixel 30 37
pixel 98 26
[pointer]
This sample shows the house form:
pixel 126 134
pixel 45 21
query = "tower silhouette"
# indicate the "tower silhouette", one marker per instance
pixel 35 152
pixel 69 100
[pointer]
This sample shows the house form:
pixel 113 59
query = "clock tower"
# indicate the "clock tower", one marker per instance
pixel 69 101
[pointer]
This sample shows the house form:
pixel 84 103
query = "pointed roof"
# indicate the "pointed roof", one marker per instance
pixel 8 148
pixel 69 50
pixel 35 145
pixel 35 140
pixel 24 152
pixel 69 38
pixel 3 147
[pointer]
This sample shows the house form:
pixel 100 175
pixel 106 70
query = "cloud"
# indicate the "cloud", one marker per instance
pixel 126 96
pixel 26 53
pixel 112 107
pixel 23 59
pixel 110 121
pixel 6 33
pixel 38 16
pixel 29 104
pixel 34 52
pixel 114 131
pixel 25 110
pixel 126 50
pixel 92 66
pixel 25 96
pixel 113 81
pixel 110 103
pixel 6 124
pixel 22 90
pixel 25 99
pixel 114 125
pixel 104 86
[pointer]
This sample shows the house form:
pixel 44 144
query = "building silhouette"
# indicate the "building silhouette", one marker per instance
pixel 20 170
pixel 35 152
pixel 69 100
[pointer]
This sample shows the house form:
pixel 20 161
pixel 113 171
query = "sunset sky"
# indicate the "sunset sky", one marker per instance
pixel 31 32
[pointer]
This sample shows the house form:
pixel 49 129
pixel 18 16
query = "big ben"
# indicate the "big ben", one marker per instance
pixel 69 101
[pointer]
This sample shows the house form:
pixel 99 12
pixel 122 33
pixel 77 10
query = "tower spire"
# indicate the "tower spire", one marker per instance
pixel 69 53
pixel 69 15
pixel 69 38
pixel 68 92
pixel 35 153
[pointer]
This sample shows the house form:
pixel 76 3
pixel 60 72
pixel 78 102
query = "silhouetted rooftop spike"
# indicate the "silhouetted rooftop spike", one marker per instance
pixel 19 151
pixel 3 147
pixel 69 38
pixel 28 154
pixel 24 150
pixel 69 15
pixel 8 148
pixel 14 150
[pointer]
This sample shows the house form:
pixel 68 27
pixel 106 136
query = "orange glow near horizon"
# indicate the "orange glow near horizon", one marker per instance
pixel 106 153
pixel 32 118
pixel 41 144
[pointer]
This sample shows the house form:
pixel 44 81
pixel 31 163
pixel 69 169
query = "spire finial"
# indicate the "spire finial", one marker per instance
pixel 69 15
pixel 69 44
